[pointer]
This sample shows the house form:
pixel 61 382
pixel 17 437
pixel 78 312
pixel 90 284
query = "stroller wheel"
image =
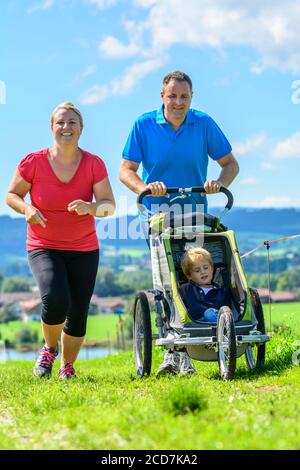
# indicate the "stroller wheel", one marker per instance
pixel 255 355
pixel 142 335
pixel 226 343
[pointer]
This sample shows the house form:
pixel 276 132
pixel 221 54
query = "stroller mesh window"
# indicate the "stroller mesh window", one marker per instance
pixel 225 270
pixel 178 250
pixel 218 254
pixel 237 289
pixel 217 251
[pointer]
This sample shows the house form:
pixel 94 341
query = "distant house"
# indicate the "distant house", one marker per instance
pixel 13 297
pixel 28 305
pixel 25 304
pixel 277 296
pixel 31 309
pixel 263 295
pixel 284 297
pixel 108 305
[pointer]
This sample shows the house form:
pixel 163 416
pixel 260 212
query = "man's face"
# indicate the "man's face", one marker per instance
pixel 177 97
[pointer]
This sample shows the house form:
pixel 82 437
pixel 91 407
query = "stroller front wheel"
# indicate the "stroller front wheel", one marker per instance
pixel 226 343
pixel 142 335
pixel 255 355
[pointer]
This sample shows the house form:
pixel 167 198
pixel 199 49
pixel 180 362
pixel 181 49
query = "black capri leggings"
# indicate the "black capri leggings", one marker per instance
pixel 66 280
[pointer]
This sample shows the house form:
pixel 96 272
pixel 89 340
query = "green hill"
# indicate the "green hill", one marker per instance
pixel 252 227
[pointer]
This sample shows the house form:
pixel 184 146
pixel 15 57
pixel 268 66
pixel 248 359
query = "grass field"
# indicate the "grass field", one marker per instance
pixel 134 252
pixel 284 315
pixel 98 328
pixel 104 327
pixel 109 407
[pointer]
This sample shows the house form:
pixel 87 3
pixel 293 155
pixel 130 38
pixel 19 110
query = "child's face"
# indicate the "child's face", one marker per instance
pixel 201 272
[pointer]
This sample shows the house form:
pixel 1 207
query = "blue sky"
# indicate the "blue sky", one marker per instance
pixel 109 56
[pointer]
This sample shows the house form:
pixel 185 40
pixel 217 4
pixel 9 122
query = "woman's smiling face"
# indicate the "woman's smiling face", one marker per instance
pixel 66 127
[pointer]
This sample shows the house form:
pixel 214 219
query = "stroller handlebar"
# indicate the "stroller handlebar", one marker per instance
pixel 194 189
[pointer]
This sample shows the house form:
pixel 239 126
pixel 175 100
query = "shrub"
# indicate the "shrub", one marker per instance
pixel 9 313
pixel 26 336
pixel 17 284
pixel 185 398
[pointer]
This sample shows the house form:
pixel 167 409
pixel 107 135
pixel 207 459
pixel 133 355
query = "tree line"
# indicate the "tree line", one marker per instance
pixel 111 283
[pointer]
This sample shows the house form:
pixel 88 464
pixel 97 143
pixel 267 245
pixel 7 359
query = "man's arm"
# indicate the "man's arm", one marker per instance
pixel 230 169
pixel 128 176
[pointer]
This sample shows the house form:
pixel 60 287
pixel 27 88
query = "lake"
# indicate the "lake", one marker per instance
pixel 85 353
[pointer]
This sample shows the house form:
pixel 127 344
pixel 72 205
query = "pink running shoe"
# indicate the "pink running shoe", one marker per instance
pixel 44 363
pixel 67 372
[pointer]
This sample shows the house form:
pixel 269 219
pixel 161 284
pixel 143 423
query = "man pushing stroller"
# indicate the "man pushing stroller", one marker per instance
pixel 173 144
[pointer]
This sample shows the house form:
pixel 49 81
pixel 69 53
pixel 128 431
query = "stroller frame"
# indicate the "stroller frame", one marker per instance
pixel 223 342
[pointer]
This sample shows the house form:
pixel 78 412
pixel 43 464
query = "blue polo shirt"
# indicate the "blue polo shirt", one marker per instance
pixel 178 158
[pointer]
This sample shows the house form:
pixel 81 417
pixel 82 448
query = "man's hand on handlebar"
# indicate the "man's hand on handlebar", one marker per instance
pixel 157 188
pixel 212 186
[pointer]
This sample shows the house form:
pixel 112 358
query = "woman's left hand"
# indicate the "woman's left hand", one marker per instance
pixel 80 207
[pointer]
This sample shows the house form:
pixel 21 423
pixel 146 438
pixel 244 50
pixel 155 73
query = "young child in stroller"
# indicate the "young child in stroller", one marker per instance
pixel 202 297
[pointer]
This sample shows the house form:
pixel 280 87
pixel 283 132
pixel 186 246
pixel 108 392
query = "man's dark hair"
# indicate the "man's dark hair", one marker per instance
pixel 179 76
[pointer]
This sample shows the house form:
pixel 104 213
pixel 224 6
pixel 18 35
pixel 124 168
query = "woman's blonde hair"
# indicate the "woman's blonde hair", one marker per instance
pixel 191 256
pixel 67 105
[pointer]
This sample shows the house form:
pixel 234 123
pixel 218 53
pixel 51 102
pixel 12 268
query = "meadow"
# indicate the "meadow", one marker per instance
pixel 100 327
pixel 109 407
pixel 283 316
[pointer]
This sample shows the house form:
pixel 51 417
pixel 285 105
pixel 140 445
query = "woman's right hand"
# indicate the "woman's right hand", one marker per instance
pixel 34 216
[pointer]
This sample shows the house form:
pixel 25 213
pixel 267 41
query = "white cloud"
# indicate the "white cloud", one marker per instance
pixel 95 94
pixel 249 181
pixel 277 201
pixel 87 72
pixel 144 3
pixel 288 148
pixel 112 47
pixel 121 85
pixel 90 69
pixel 249 145
pixel 2 92
pixel 269 27
pixel 268 166
pixel 101 4
pixel 134 74
pixel 42 6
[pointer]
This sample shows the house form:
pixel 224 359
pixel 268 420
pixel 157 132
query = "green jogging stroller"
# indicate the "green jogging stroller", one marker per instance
pixel 162 309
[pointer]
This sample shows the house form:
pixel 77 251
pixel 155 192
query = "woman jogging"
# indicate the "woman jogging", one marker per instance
pixel 68 187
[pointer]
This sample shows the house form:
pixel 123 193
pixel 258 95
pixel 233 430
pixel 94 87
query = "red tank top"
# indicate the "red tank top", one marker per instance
pixel 64 230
